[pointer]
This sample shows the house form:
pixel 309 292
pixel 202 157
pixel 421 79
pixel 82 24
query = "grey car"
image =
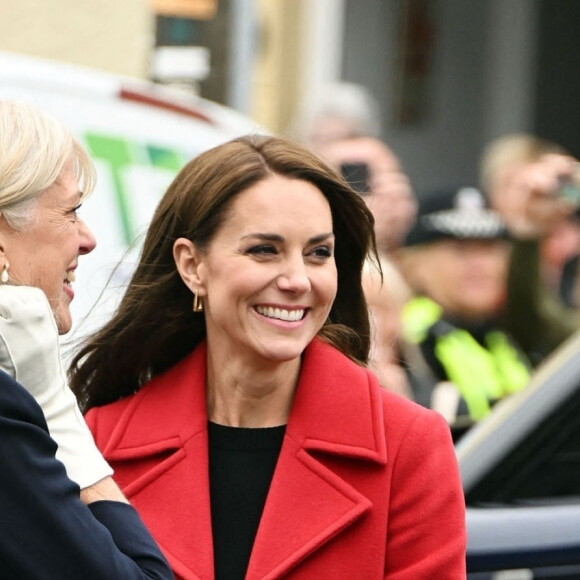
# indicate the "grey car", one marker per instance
pixel 521 476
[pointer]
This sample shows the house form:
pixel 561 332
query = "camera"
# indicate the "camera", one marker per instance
pixel 570 187
pixel 357 175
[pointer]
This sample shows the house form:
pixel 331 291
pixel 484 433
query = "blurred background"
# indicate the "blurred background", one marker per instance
pixel 427 84
pixel 447 76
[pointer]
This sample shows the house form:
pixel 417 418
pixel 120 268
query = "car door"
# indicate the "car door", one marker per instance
pixel 521 477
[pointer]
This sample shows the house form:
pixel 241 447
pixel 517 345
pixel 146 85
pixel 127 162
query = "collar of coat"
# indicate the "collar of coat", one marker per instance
pixel 159 451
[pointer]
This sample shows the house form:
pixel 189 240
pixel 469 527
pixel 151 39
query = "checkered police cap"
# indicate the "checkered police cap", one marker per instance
pixel 456 213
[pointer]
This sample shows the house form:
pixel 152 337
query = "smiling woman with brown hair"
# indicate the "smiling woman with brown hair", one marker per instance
pixel 249 434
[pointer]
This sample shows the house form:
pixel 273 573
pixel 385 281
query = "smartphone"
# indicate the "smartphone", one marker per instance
pixel 357 175
pixel 570 190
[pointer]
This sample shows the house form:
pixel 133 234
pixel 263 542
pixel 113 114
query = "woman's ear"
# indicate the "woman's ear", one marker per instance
pixel 3 223
pixel 188 260
pixel 5 229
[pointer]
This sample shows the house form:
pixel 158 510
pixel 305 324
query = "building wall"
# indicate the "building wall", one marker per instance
pixel 557 82
pixel 110 35
pixel 276 87
pixel 478 83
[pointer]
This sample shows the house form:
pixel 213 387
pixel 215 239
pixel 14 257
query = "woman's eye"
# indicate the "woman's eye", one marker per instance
pixel 261 250
pixel 322 252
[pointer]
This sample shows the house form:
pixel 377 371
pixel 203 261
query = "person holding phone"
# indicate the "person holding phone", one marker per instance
pixel 534 184
pixel 374 171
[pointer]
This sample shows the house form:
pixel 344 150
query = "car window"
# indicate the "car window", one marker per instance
pixel 543 467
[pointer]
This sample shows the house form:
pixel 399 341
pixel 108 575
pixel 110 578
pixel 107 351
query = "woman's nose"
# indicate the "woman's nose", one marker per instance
pixel 294 277
pixel 87 240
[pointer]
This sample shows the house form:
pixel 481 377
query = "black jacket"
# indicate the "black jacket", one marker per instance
pixel 45 530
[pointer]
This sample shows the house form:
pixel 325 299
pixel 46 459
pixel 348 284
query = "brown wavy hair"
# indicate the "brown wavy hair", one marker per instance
pixel 154 326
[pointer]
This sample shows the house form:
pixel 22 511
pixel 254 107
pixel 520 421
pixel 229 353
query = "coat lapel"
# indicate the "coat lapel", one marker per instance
pixel 162 450
pixel 336 414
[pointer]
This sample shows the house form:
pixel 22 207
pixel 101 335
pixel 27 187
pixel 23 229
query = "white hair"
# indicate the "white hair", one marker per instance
pixel 351 104
pixel 34 147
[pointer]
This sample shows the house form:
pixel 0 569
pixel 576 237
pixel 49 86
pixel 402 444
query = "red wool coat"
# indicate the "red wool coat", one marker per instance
pixel 366 485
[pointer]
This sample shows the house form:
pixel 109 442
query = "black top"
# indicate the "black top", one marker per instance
pixel 241 466
pixel 45 530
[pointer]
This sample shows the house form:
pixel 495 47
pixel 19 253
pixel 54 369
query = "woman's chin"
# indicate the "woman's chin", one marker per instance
pixel 63 319
pixel 280 352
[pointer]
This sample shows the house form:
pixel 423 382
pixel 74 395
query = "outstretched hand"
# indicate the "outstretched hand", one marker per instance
pixel 532 204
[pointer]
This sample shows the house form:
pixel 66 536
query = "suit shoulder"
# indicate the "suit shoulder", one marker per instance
pixel 17 403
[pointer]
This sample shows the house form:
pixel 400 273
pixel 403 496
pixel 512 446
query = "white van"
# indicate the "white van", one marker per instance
pixel 140 135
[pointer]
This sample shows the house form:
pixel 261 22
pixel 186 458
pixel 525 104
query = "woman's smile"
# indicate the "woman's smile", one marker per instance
pixel 285 314
pixel 67 284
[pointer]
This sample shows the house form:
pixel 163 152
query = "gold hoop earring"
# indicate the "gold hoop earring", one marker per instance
pixel 197 302
pixel 4 276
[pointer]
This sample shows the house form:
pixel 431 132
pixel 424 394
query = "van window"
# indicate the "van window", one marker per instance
pixel 543 468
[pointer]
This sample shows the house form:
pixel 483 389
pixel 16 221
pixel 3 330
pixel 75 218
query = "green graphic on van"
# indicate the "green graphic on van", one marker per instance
pixel 121 154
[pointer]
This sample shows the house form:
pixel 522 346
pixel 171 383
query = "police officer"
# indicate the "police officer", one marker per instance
pixel 455 259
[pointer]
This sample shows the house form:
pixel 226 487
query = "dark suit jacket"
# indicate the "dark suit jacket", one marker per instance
pixel 366 485
pixel 45 530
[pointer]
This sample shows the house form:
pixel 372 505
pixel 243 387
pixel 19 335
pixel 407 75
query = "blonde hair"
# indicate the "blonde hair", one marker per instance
pixel 34 147
pixel 510 150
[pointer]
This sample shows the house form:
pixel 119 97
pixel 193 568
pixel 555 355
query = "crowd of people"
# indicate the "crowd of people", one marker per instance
pixel 481 278
pixel 302 339
pixel 491 276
